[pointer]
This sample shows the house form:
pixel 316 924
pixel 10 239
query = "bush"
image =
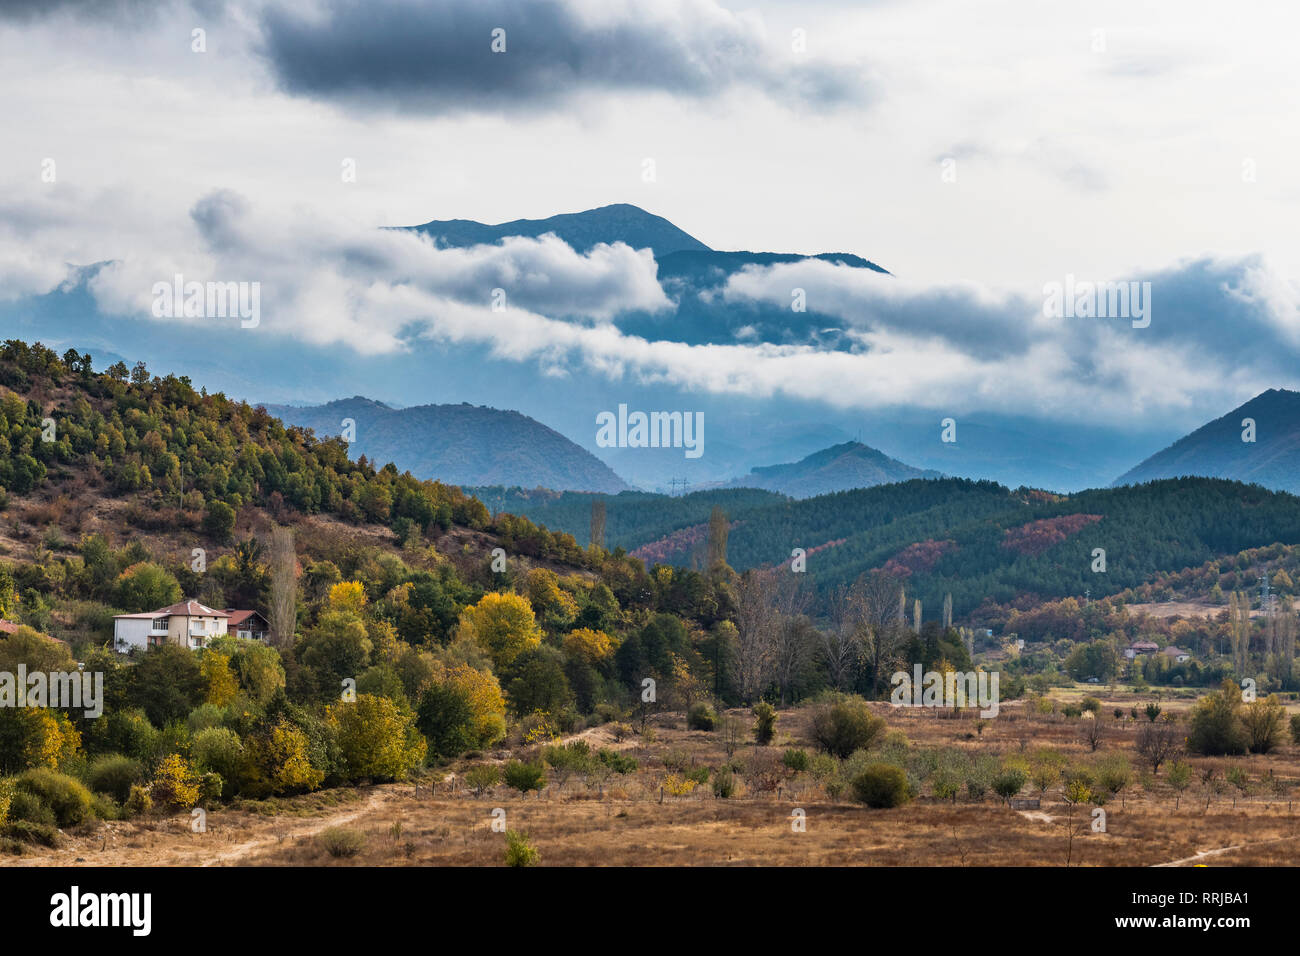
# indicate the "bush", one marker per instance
pixel 1091 704
pixel 68 798
pixel 1009 781
pixel 482 777
pixel 519 852
pixel 724 783
pixel 219 750
pixel 42 834
pixel 138 802
pixel 882 785
pixel 114 774
pixel 765 723
pixel 843 725
pixel 30 808
pixel 617 762
pixel 175 784
pixel 1216 727
pixel 700 716
pixel 796 760
pixel 210 787
pixel 1295 728
pixel 525 776
pixel 341 842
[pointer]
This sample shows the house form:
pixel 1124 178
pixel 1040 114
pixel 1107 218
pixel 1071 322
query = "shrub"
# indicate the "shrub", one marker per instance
pixel 677 786
pixel 138 802
pixel 482 777
pixel 1263 721
pixel 114 775
pixel 1009 781
pixel 882 785
pixel 843 725
pixel 30 807
pixel 700 716
pixel 519 851
pixel 1091 704
pixel 210 787
pixel 341 842
pixel 764 723
pixel 1216 727
pixel 68 798
pixel 43 834
pixel 1295 728
pixel 617 762
pixel 525 776
pixel 219 750
pixel 796 760
pixel 724 783
pixel 175 784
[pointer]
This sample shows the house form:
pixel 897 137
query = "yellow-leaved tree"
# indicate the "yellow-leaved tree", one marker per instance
pixel 589 645
pixel 220 679
pixel 376 738
pixel 348 596
pixel 503 625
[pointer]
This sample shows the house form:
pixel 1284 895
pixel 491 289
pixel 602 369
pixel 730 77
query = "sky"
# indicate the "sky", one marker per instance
pixel 979 152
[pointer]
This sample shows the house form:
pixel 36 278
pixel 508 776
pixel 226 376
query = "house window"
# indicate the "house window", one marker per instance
pixel 160 624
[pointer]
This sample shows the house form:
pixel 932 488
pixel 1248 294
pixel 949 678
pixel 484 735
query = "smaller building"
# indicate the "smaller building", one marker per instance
pixel 247 624
pixel 1137 648
pixel 9 627
pixel 1177 654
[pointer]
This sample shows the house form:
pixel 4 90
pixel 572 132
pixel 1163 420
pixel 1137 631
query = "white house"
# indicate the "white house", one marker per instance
pixel 1177 654
pixel 189 624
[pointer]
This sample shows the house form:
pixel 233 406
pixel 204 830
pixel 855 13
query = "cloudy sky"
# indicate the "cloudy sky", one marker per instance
pixel 976 151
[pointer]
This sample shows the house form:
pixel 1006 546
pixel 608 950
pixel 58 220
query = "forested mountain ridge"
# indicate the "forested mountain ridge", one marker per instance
pixel 977 540
pixel 175 458
pixel 459 444
pixel 1256 442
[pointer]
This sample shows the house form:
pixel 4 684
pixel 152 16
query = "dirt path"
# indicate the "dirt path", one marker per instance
pixel 1203 854
pixel 309 828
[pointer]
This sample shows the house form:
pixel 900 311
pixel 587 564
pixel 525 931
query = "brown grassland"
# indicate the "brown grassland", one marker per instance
pixel 629 821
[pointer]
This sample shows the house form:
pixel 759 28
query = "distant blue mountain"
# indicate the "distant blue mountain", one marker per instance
pixel 1218 450
pixel 741 432
pixel 689 271
pixel 620 222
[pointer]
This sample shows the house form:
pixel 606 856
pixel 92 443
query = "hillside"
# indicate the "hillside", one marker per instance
pixel 1216 450
pixel 460 444
pixel 838 468
pixel 977 540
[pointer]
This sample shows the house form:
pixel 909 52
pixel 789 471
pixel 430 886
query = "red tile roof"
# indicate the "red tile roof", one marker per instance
pixel 239 617
pixel 9 627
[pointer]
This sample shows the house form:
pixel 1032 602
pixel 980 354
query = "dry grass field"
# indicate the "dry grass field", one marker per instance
pixel 627 820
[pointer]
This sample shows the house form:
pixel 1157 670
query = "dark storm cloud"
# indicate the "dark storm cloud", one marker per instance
pixel 437 56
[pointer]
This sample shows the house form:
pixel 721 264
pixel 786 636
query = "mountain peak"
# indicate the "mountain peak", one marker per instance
pixel 618 222
pixel 841 467
pixel 1265 453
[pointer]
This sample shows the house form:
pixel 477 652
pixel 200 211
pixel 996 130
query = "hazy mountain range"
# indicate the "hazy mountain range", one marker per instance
pixel 745 429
